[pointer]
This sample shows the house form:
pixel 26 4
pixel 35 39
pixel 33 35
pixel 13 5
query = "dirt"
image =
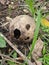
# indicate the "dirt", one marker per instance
pixel 13 8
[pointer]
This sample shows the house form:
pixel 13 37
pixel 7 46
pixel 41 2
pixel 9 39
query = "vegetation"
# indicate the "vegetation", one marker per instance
pixel 41 24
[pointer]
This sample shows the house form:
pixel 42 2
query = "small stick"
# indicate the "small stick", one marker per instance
pixel 3 25
pixel 6 57
pixel 14 47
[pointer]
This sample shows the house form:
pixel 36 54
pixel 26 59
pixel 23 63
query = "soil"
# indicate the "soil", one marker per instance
pixel 13 8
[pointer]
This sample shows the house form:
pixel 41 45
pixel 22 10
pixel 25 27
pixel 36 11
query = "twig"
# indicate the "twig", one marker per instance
pixel 20 53
pixel 6 57
pixel 3 25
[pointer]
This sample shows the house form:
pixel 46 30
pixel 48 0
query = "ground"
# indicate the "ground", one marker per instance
pixel 12 52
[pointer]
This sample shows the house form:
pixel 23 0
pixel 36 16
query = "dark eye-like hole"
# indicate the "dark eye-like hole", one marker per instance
pixel 43 13
pixel 27 38
pixel 27 26
pixel 17 33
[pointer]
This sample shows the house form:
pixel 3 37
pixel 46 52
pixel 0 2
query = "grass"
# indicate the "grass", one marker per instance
pixel 30 4
pixel 45 58
pixel 38 21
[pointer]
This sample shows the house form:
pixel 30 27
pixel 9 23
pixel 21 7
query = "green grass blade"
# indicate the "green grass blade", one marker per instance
pixel 30 4
pixel 36 32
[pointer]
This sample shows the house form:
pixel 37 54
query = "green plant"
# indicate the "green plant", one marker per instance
pixel 45 57
pixel 11 63
pixel 30 4
pixel 2 42
pixel 45 29
pixel 38 21
pixel 13 54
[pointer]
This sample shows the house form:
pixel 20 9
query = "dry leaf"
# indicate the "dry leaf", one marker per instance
pixel 37 52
